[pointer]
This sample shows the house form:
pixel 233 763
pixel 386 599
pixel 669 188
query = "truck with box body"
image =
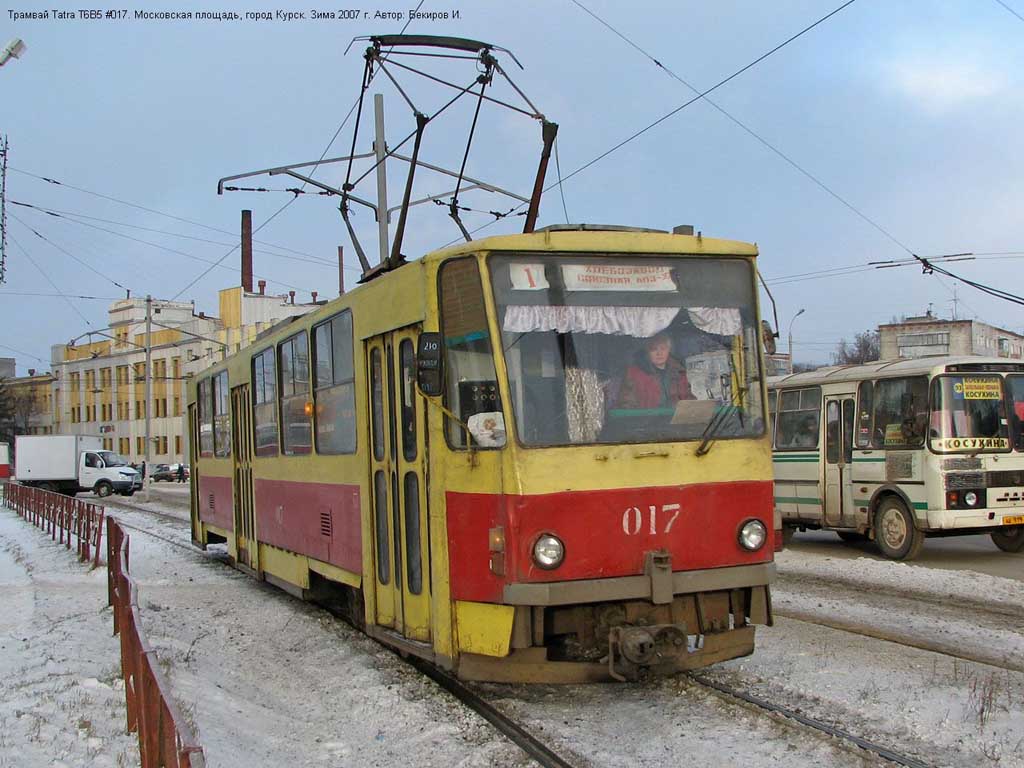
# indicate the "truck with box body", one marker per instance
pixel 72 463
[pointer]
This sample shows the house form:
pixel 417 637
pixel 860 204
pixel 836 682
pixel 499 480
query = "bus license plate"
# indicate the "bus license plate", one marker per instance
pixel 1015 520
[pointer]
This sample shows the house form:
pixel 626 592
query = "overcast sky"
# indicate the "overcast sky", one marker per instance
pixel 911 112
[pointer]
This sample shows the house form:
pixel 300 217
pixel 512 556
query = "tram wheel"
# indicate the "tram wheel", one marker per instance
pixel 895 533
pixel 1009 539
pixel 851 537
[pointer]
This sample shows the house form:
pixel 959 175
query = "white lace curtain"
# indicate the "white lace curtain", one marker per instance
pixel 638 322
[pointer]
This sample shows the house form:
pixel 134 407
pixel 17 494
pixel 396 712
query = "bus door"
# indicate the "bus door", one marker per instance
pixel 247 552
pixel 399 504
pixel 839 508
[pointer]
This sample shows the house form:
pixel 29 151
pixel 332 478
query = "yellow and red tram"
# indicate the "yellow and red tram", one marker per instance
pixel 466 450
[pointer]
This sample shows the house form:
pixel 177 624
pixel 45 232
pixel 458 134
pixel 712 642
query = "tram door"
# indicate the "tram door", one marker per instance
pixel 241 486
pixel 839 509
pixel 398 447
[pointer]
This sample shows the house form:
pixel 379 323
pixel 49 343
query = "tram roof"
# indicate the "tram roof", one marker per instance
pixel 591 239
pixel 918 365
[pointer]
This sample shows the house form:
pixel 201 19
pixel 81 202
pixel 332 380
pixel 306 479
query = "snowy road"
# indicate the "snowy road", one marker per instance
pixel 269 680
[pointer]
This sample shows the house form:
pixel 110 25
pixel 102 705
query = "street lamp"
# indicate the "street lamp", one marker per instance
pixel 791 339
pixel 13 49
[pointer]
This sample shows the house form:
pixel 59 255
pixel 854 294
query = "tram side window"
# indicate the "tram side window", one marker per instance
pixel 205 395
pixel 865 397
pixel 471 389
pixel 798 419
pixel 335 411
pixel 293 368
pixel 221 415
pixel 264 378
pixel 772 397
pixel 901 412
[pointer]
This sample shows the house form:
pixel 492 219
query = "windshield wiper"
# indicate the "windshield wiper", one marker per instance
pixel 714 427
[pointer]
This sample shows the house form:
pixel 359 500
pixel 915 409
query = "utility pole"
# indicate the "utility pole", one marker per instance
pixel 791 338
pixel 149 391
pixel 3 208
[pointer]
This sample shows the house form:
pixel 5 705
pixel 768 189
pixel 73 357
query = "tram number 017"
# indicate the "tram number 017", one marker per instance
pixel 635 520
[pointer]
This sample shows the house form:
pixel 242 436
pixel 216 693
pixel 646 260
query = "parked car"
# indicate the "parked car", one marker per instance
pixel 162 472
pixel 168 472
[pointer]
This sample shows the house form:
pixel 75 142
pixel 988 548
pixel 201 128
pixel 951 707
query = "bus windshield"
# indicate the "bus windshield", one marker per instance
pixel 626 349
pixel 969 414
pixel 1015 385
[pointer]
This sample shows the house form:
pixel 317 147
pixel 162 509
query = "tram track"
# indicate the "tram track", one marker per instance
pixel 536 749
pixel 734 695
pixel 542 754
pixel 945 649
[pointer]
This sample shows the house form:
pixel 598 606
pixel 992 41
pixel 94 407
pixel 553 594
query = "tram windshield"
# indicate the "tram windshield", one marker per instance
pixel 969 414
pixel 625 349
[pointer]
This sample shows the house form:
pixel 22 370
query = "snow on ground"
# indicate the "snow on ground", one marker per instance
pixel 869 573
pixel 269 680
pixel 61 696
pixel 946 711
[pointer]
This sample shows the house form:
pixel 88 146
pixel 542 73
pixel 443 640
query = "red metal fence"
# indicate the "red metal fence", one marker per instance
pixel 63 517
pixel 165 738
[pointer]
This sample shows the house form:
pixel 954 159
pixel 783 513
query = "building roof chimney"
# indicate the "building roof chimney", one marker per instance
pixel 247 251
pixel 291 296
pixel 263 286
pixel 314 296
pixel 31 371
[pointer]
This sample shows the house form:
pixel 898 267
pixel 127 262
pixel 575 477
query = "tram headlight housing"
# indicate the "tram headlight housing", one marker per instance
pixel 548 551
pixel 753 535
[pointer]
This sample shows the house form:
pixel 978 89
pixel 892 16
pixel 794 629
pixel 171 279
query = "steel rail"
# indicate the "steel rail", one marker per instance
pixel 869 746
pixel 514 732
pixel 892 637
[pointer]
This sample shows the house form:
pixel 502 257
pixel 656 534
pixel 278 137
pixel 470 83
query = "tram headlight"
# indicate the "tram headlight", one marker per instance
pixel 548 551
pixel 971 499
pixel 753 535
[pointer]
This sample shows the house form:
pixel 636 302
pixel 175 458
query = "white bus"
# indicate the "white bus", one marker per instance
pixel 897 451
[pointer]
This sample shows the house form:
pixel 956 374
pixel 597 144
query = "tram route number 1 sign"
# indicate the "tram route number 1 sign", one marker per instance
pixel 987 388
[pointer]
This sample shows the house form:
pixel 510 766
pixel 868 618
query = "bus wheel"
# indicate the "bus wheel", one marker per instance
pixel 895 532
pixel 787 534
pixel 103 489
pixel 851 537
pixel 1009 539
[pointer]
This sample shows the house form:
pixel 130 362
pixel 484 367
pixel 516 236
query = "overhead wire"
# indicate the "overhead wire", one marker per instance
pixel 68 253
pixel 561 187
pixel 194 223
pixel 312 171
pixel 48 279
pixel 928 266
pixel 26 354
pixel 700 95
pixel 761 139
pixel 73 215
pixel 1010 9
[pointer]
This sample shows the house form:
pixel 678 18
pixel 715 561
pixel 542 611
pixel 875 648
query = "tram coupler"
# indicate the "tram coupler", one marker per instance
pixel 633 648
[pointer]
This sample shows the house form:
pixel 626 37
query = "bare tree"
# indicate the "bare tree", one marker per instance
pixel 865 347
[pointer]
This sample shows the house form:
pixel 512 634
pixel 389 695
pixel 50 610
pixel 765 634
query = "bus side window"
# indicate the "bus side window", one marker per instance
pixel 865 409
pixel 798 419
